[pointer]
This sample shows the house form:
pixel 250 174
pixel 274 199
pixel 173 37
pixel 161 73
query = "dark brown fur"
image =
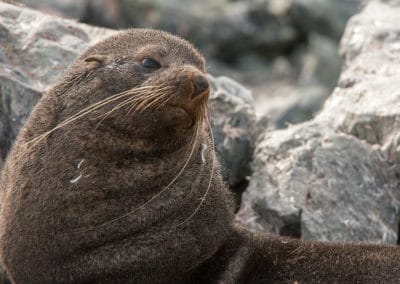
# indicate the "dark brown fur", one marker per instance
pixel 135 197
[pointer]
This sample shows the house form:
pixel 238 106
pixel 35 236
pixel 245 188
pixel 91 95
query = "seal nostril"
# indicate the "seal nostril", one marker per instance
pixel 200 83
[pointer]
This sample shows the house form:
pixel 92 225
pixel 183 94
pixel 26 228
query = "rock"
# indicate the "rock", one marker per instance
pixel 233 120
pixel 318 183
pixel 287 101
pixel 320 63
pixel 214 24
pixel 36 48
pixel 324 17
pixel 16 101
pixel 291 104
pixel 66 8
pixel 107 13
pixel 336 177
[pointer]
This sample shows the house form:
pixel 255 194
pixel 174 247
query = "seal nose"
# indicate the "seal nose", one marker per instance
pixel 200 83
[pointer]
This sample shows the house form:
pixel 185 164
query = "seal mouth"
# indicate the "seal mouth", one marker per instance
pixel 193 106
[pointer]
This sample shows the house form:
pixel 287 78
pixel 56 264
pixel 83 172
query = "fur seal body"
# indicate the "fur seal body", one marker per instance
pixel 113 179
pixel 86 203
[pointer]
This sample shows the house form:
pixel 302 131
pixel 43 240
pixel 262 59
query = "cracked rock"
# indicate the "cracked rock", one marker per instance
pixel 336 177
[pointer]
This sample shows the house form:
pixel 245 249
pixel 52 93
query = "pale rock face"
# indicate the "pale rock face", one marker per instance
pixel 336 177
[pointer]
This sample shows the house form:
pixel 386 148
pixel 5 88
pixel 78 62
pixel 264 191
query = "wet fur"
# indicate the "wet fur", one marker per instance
pixel 109 182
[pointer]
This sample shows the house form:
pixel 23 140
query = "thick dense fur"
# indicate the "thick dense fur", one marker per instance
pixel 113 179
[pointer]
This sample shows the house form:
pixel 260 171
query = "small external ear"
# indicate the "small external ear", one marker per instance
pixel 95 60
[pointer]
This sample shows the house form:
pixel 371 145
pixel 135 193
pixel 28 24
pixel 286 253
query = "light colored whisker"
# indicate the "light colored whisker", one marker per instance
pixel 120 105
pixel 128 101
pixel 139 101
pixel 203 198
pixel 148 100
pixel 88 110
pixel 164 103
pixel 153 102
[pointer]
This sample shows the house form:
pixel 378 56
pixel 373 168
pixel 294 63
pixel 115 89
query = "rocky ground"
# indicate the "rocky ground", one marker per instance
pixel 333 177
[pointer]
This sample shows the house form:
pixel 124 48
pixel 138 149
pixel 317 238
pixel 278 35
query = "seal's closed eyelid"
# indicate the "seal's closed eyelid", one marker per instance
pixel 151 51
pixel 96 58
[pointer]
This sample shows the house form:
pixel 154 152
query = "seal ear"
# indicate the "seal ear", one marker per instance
pixel 95 60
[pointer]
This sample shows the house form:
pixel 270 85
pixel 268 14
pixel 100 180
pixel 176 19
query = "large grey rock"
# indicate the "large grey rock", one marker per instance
pixel 337 176
pixel 325 17
pixel 234 129
pixel 291 104
pixel 67 8
pixel 16 101
pixel 36 48
pixel 302 97
pixel 318 183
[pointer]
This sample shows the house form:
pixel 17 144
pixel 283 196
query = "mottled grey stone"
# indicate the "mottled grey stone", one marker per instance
pixel 16 101
pixel 233 120
pixel 337 176
pixel 325 17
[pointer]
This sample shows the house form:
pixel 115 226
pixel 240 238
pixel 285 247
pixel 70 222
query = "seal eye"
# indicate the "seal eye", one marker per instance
pixel 150 63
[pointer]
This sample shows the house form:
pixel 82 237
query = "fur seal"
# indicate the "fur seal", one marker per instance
pixel 113 179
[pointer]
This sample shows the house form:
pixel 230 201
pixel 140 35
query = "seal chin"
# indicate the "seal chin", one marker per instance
pixel 186 119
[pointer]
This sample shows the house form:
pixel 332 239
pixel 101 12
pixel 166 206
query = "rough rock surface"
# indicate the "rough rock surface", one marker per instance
pixel 337 176
pixel 36 48
pixel 234 122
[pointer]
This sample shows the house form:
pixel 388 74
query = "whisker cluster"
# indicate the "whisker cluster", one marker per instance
pixel 137 99
pixel 213 165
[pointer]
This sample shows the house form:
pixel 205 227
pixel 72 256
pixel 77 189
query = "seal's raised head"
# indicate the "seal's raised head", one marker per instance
pixel 136 78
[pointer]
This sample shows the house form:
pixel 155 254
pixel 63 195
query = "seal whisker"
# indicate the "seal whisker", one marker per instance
pixel 86 111
pixel 164 103
pixel 134 107
pixel 154 102
pixel 203 198
pixel 145 100
pixel 119 106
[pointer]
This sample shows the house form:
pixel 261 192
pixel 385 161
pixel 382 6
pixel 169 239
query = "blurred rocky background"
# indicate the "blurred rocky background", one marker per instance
pixel 322 168
pixel 285 51
pixel 336 177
